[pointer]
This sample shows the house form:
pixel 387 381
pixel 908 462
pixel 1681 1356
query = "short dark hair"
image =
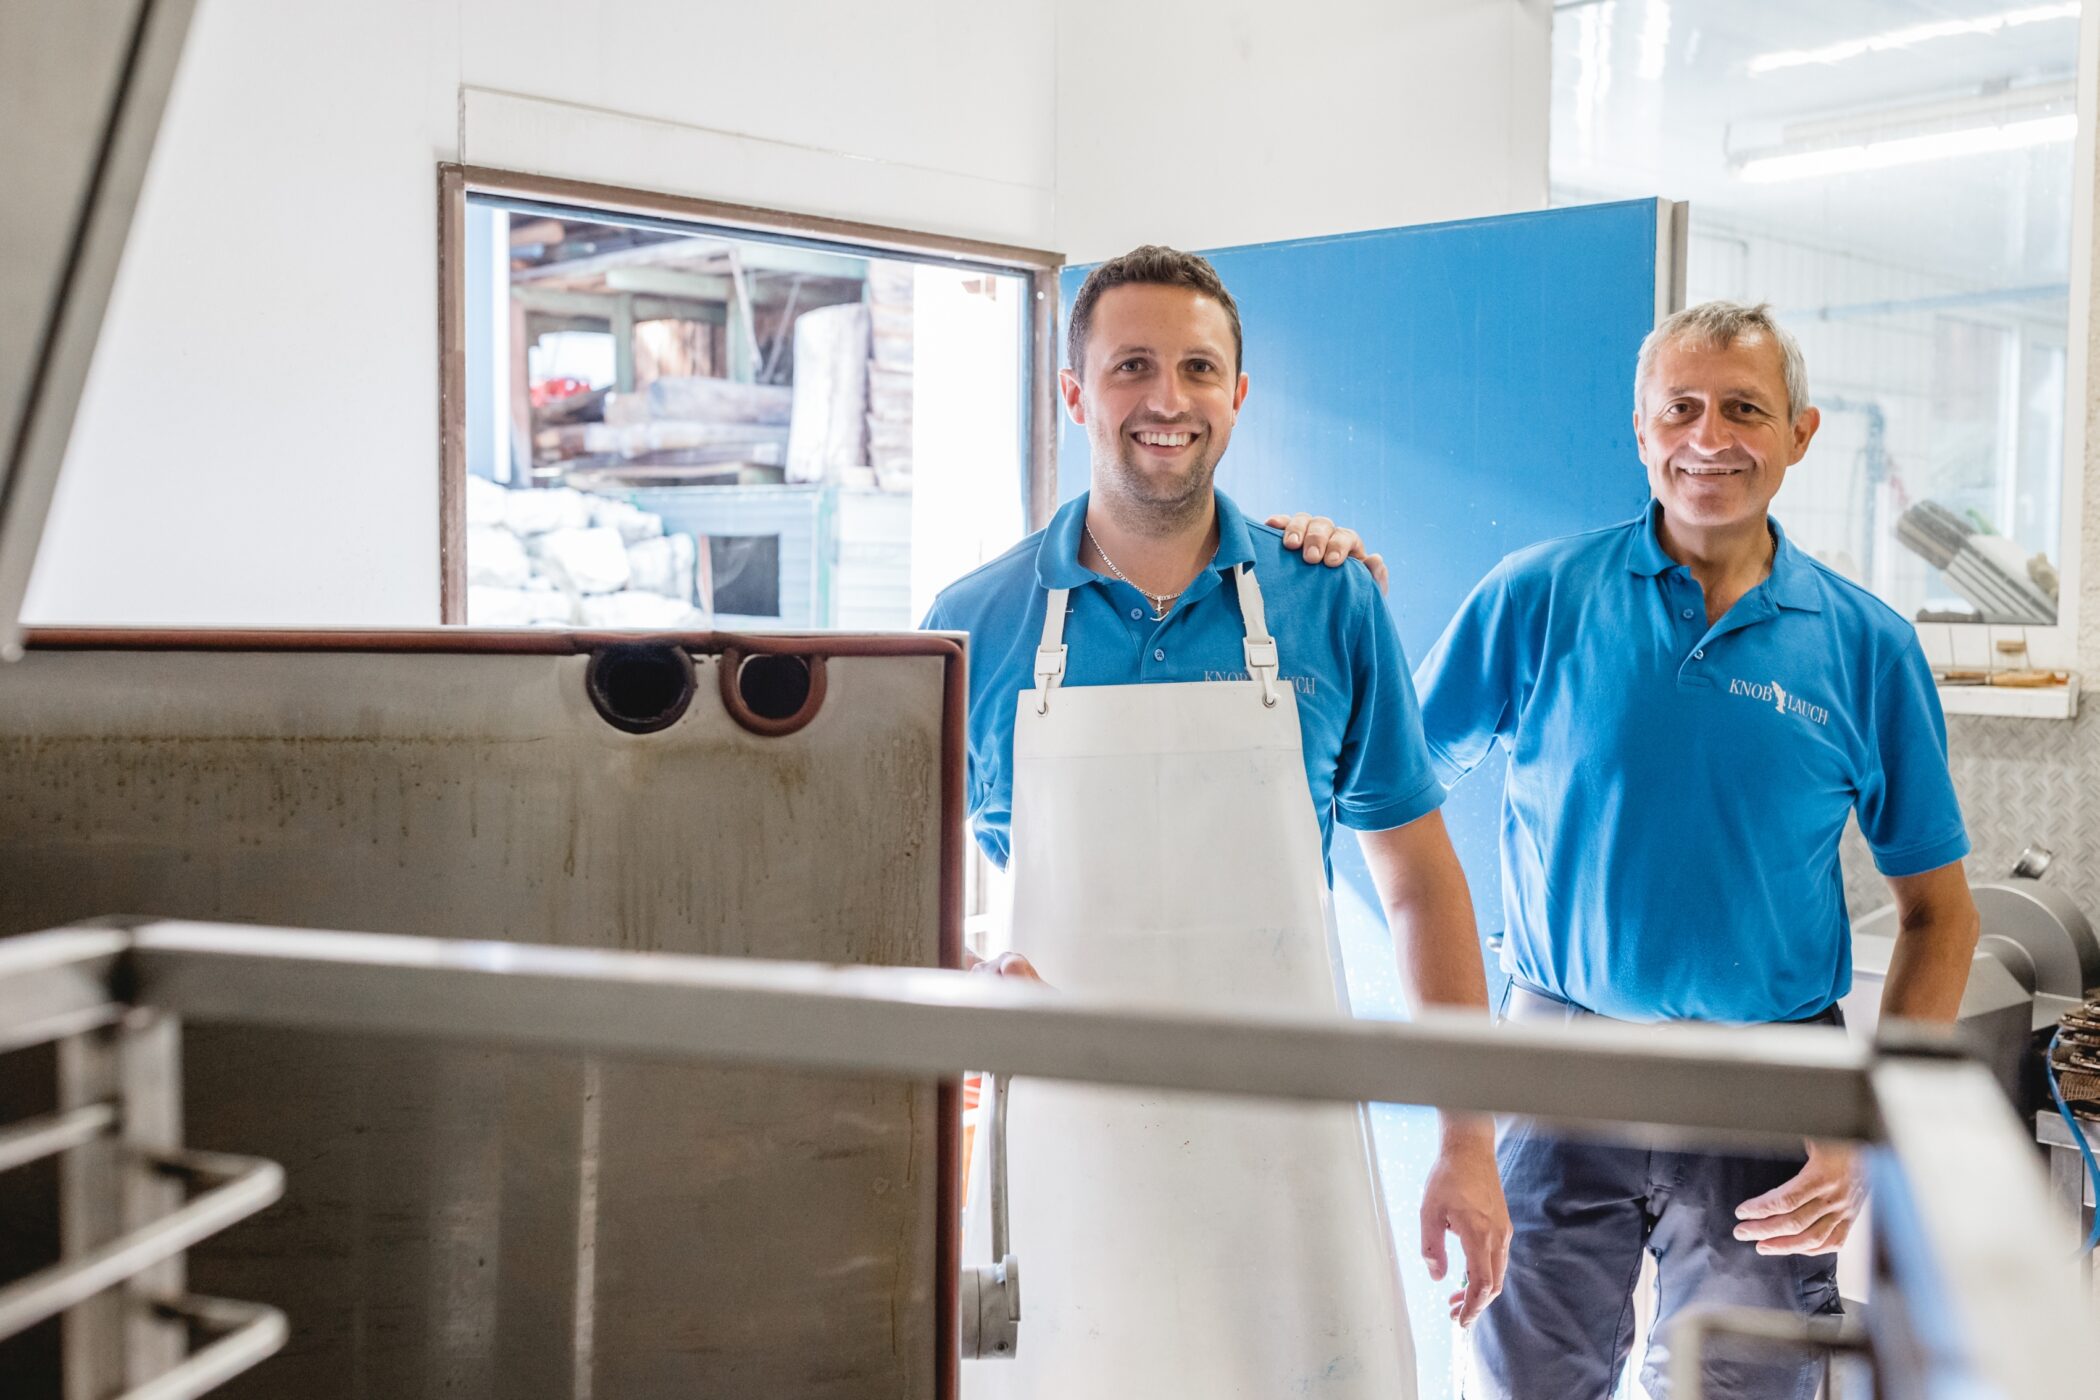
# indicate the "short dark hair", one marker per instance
pixel 1150 265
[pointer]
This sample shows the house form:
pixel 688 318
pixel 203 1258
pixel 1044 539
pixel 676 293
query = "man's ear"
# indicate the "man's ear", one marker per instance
pixel 1805 424
pixel 1068 388
pixel 1640 438
pixel 1239 394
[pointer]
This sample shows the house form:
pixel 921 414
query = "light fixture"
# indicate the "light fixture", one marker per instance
pixel 1908 150
pixel 1655 40
pixel 1911 35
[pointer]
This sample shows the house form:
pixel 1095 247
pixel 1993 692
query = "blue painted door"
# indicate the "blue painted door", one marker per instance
pixel 1453 391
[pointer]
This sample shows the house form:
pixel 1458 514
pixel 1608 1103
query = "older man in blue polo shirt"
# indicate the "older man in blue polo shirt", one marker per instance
pixel 1168 715
pixel 1692 709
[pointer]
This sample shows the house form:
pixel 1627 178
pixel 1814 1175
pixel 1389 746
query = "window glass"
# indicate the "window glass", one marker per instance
pixel 686 427
pixel 1896 180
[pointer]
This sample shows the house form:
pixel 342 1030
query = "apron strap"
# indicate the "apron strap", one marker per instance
pixel 1050 656
pixel 1262 661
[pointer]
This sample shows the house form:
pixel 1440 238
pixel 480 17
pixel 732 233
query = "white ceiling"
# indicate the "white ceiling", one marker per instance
pixel 1655 97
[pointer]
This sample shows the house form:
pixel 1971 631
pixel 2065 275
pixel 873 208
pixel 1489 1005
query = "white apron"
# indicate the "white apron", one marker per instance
pixel 1170 1245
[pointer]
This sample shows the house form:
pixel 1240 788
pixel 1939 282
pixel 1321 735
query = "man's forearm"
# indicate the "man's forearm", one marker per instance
pixel 1929 969
pixel 1935 944
pixel 1439 950
pixel 1430 911
pixel 1440 966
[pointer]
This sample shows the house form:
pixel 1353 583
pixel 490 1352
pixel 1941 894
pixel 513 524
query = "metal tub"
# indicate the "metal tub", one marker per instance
pixel 471 1223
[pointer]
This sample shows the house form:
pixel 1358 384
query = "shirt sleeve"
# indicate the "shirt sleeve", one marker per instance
pixel 1468 681
pixel 1906 805
pixel 1382 777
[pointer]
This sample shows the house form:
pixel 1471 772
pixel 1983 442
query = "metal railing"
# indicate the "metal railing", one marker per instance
pixel 126 1217
pixel 1975 1293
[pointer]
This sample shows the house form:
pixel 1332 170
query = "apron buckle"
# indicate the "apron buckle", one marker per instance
pixel 1049 670
pixel 1262 663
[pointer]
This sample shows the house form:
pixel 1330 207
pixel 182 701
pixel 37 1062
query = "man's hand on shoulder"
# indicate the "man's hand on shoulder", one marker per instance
pixel 1464 1197
pixel 1811 1213
pixel 1321 541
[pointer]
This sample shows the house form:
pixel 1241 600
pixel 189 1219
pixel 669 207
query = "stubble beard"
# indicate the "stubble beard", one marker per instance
pixel 1145 503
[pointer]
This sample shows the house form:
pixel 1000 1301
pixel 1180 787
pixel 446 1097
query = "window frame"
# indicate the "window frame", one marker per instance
pixel 1974 645
pixel 457 181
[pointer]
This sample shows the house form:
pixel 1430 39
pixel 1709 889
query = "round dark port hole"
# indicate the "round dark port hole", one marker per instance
pixel 640 688
pixel 774 687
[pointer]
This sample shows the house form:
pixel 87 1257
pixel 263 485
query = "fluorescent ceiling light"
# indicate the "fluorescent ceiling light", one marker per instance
pixel 1913 34
pixel 1909 150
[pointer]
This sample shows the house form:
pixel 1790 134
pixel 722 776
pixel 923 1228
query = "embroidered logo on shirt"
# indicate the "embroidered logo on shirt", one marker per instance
pixel 1777 696
pixel 1304 685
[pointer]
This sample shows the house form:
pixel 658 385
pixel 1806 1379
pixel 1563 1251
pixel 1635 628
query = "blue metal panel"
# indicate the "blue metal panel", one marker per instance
pixel 1453 391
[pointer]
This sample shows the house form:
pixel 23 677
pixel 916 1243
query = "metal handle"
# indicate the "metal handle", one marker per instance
pixel 38 1138
pixel 998 1164
pixel 990 1301
pixel 245 1186
pixel 248 1333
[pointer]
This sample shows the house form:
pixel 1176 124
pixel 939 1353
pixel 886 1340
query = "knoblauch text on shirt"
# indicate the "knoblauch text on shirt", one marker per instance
pixel 1777 695
pixel 1304 685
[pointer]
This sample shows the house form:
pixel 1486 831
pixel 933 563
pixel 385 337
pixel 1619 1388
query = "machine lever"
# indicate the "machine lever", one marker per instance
pixel 990 1298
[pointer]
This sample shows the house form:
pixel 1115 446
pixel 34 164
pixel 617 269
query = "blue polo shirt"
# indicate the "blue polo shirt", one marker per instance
pixel 1365 762
pixel 1676 792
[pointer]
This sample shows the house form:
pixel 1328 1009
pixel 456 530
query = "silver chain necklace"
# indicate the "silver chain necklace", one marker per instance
pixel 1162 603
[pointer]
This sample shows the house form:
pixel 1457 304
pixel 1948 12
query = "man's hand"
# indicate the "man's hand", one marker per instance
pixel 1813 1212
pixel 1005 965
pixel 1464 1196
pixel 1324 542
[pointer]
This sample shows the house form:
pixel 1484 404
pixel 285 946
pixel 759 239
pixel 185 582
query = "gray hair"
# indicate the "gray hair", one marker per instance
pixel 1719 324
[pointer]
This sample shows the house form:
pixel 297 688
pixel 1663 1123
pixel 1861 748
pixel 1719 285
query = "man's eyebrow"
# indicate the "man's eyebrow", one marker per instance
pixel 1198 351
pixel 1677 391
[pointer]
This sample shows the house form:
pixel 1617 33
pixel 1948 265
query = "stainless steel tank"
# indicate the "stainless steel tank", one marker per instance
pixel 501 1226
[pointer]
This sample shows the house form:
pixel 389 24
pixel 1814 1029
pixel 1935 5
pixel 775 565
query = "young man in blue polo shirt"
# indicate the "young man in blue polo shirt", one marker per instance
pixel 1168 714
pixel 1692 708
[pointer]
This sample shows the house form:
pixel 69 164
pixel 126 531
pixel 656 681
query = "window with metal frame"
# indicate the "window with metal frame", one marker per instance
pixel 670 414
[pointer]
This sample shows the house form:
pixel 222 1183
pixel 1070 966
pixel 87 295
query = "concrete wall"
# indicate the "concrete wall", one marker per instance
pixel 258 442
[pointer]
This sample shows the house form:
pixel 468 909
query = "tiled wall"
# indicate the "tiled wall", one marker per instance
pixel 2022 782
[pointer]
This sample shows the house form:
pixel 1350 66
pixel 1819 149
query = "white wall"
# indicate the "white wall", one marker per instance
pixel 258 441
pixel 1210 123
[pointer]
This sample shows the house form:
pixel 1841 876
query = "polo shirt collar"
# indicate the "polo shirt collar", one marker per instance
pixel 1644 551
pixel 1791 585
pixel 1057 556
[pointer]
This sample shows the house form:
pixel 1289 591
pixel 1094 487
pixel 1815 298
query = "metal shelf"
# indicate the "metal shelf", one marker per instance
pixel 2015 702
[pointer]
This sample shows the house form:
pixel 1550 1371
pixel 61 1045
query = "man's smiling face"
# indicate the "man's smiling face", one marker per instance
pixel 1158 394
pixel 1717 433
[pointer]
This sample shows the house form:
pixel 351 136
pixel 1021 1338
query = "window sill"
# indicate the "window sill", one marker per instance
pixel 2019 702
